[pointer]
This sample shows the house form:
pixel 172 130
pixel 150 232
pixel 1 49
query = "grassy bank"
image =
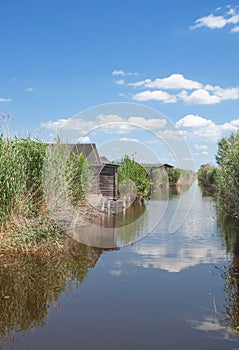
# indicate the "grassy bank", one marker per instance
pixel 25 221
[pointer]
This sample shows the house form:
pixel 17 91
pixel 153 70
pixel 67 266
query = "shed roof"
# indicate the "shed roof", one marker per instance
pixel 89 150
pixel 156 165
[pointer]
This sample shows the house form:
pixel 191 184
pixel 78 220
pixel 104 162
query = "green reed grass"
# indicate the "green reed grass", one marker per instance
pixel 25 164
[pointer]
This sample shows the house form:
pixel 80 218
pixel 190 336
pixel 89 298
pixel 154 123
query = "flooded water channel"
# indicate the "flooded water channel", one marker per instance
pixel 163 290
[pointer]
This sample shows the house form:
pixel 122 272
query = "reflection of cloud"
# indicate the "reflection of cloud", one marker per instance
pixel 192 244
pixel 212 324
pixel 174 259
pixel 115 273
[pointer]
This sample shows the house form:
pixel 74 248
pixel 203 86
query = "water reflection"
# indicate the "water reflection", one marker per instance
pixel 230 231
pixel 151 287
pixel 29 284
pixel 194 243
pixel 124 228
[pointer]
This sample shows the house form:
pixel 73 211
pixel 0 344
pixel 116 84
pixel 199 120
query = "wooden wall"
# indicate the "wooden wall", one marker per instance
pixel 108 181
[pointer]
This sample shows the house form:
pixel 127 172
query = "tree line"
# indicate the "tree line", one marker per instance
pixel 225 177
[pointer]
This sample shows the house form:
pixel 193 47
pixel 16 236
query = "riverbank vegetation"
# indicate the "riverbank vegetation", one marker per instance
pixel 25 222
pixel 133 179
pixel 224 177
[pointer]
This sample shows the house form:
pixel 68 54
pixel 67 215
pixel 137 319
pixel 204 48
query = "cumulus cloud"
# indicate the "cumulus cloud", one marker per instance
pixel 212 21
pixel 192 91
pixel 195 126
pixel 30 89
pixel 112 123
pixel 192 120
pixel 174 81
pixel 199 97
pixel 157 95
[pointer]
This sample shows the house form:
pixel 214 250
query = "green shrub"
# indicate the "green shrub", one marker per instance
pixel 207 175
pixel 132 172
pixel 174 175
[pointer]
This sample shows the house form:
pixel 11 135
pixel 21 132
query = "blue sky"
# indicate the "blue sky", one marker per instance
pixel 59 58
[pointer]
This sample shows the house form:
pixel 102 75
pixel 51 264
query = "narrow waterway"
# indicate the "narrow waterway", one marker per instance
pixel 176 287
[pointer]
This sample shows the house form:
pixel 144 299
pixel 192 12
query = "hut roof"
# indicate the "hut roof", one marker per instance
pixel 104 160
pixel 156 165
pixel 89 150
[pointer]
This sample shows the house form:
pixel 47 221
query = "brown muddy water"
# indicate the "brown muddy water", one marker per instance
pixel 162 290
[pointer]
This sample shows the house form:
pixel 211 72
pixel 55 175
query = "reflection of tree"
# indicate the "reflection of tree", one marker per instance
pixel 230 231
pixel 29 284
pixel 207 191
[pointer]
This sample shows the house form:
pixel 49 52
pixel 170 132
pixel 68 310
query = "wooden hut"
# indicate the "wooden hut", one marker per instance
pixel 103 169
pixel 108 181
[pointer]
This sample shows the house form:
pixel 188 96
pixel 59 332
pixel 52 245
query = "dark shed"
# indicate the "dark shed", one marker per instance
pixel 103 169
pixel 108 180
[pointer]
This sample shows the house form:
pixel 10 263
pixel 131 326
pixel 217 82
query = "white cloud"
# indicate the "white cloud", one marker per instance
pixel 229 17
pixel 122 73
pixel 233 19
pixel 109 118
pixel 148 123
pixel 224 94
pixel 205 153
pixel 125 139
pixel 171 135
pixel 201 147
pixel 30 89
pixel 174 81
pixel 199 97
pixel 84 139
pixel 157 95
pixel 210 21
pixel 235 29
pixel 192 120
pixel 140 83
pixel 5 100
pixel 235 122
pixel 118 72
pixel 197 127
pixel 120 82
pixel 113 123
